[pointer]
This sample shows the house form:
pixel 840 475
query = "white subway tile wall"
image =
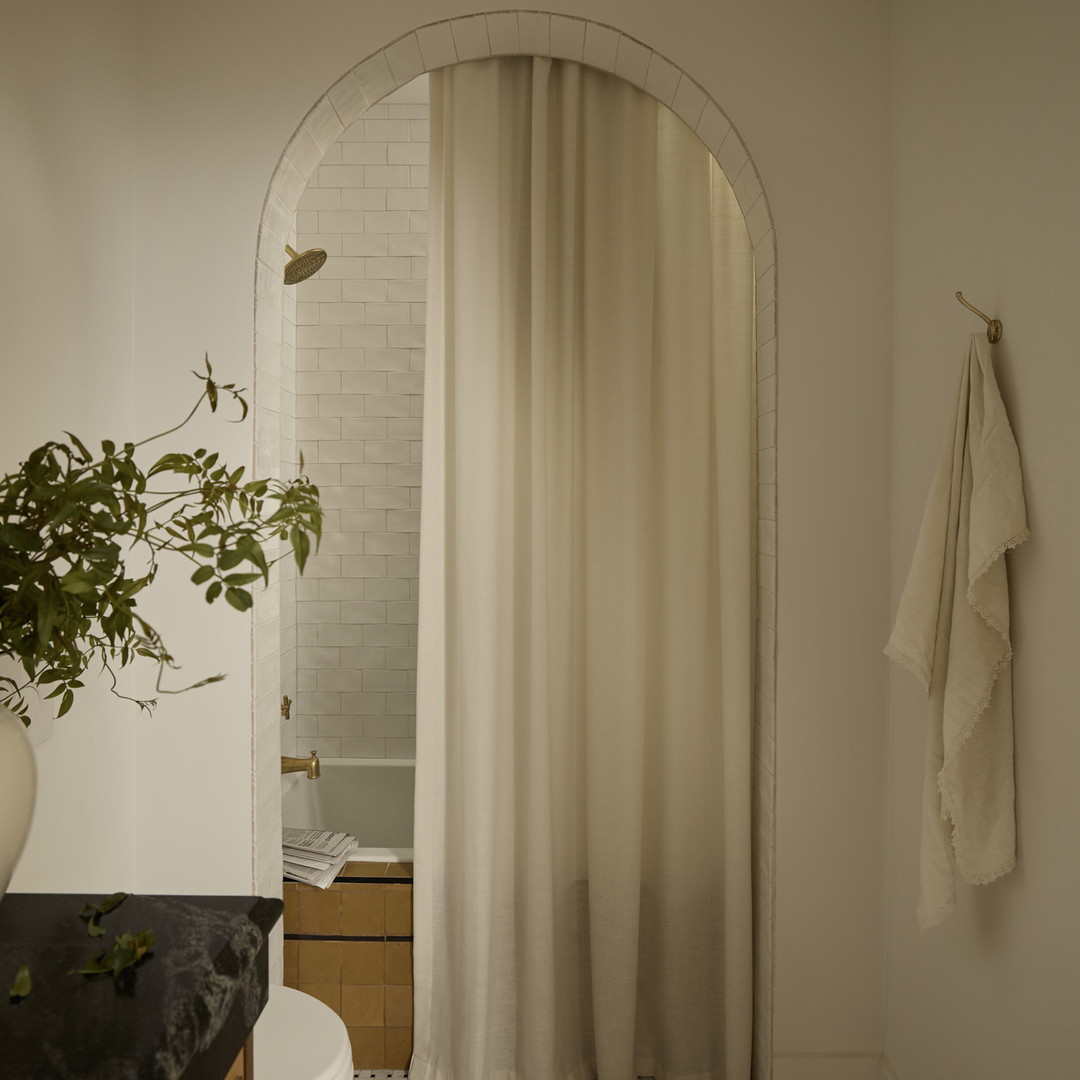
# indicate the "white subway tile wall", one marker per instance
pixel 359 403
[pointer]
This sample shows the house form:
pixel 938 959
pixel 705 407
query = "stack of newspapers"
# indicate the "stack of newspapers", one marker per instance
pixel 314 856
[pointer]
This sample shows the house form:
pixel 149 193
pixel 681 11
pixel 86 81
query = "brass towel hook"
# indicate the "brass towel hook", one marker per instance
pixel 993 326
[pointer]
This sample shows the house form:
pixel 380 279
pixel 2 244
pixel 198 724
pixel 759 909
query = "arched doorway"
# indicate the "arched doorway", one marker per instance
pixel 473 37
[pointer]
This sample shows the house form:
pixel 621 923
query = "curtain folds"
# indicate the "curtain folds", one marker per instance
pixel 585 662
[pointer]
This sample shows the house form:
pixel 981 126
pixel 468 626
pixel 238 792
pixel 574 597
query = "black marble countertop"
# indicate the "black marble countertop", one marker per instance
pixel 194 999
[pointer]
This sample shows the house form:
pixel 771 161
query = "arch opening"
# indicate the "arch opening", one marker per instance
pixel 366 85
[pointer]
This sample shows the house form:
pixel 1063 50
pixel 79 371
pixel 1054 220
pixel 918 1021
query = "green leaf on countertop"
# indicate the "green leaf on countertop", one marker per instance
pixel 22 985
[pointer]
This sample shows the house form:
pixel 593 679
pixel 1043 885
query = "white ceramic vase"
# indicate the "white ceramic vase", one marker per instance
pixel 18 785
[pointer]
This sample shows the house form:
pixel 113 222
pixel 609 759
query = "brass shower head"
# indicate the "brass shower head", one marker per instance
pixel 301 267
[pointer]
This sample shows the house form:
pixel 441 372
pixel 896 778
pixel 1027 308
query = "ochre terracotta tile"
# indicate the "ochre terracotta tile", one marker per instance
pixel 399 963
pixel 290 957
pixel 399 909
pixel 368 1048
pixel 362 1006
pixel 364 869
pixel 399 1006
pixel 362 910
pixel 363 963
pixel 292 908
pixel 398 1047
pixel 319 961
pixel 327 993
pixel 320 911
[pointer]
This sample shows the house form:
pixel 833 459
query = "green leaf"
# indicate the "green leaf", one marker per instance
pixel 204 550
pixel 97 966
pixel 301 546
pixel 77 582
pixel 213 592
pixel 204 573
pixel 20 539
pixel 241 579
pixel 67 511
pixel 65 703
pixel 112 902
pixel 239 598
pixel 22 985
pixel 229 558
pixel 81 448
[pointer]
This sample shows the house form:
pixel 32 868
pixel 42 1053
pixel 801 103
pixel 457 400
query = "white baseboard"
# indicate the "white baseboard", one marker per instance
pixel 825 1066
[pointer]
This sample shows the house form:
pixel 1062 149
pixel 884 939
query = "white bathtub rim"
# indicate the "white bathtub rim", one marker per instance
pixel 387 855
pixel 333 762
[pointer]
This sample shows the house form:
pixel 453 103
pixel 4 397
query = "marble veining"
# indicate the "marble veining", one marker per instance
pixel 191 1023
pixel 195 998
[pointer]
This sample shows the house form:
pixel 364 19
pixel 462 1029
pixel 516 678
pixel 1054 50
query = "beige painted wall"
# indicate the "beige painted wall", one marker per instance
pixel 221 87
pixel 66 183
pixel 985 115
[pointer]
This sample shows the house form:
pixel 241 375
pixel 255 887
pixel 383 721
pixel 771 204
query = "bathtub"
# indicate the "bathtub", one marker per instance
pixel 369 799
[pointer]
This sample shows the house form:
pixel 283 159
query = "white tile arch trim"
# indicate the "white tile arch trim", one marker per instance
pixel 606 48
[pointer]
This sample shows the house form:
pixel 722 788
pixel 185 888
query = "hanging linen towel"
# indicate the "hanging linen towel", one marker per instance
pixel 952 632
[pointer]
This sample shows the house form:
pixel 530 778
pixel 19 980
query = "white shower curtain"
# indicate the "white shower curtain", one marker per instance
pixel 585 665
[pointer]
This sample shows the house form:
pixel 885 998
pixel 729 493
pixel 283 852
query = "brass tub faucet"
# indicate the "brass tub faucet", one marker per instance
pixel 310 765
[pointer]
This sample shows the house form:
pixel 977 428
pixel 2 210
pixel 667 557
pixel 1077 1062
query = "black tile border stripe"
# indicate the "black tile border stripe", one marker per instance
pixel 348 937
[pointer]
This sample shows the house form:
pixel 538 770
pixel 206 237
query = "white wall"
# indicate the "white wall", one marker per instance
pixel 220 89
pixel 985 101
pixel 66 185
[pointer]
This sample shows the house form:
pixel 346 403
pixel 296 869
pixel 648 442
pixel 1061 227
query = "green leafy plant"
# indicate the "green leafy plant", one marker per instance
pixel 72 524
